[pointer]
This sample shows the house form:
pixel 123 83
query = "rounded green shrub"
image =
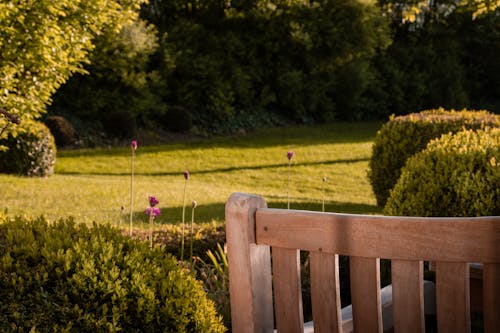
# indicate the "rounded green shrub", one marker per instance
pixel 31 151
pixel 404 136
pixel 66 277
pixel 62 130
pixel 456 175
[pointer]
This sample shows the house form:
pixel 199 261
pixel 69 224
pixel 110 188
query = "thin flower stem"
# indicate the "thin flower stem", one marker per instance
pixel 131 190
pixel 183 220
pixel 151 217
pixel 191 236
pixel 288 189
pixel 323 200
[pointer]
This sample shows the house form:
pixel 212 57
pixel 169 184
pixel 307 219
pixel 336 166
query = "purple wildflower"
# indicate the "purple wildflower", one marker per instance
pixel 186 175
pixel 290 155
pixel 152 211
pixel 133 145
pixel 153 201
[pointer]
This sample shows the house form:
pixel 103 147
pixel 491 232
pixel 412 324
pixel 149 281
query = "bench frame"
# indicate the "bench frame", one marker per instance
pixel 252 230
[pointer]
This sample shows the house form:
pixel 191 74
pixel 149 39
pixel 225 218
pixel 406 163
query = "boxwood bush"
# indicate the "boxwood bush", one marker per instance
pixel 404 136
pixel 66 277
pixel 62 130
pixel 456 175
pixel 31 152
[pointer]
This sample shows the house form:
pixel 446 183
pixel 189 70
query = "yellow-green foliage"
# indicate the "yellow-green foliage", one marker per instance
pixel 404 136
pixel 456 175
pixel 31 151
pixel 67 277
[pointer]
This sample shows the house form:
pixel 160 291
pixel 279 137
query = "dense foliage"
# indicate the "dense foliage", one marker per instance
pixel 456 175
pixel 244 64
pixel 403 136
pixel 44 42
pixel 222 61
pixel 62 130
pixel 30 152
pixel 68 277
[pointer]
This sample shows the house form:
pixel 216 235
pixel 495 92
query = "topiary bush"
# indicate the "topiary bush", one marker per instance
pixel 65 277
pixel 404 136
pixel 62 130
pixel 31 152
pixel 456 175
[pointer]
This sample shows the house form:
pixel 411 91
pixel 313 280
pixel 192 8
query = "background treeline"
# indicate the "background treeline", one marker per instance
pixel 217 66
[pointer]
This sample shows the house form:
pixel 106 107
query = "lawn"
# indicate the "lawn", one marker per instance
pixel 94 184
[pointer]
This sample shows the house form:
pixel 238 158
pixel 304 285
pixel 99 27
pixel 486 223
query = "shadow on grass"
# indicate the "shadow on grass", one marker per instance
pixel 206 213
pixel 221 170
pixel 344 132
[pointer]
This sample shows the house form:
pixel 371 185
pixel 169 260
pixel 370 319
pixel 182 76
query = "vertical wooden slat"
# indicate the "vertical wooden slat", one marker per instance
pixel 250 280
pixel 287 290
pixel 408 296
pixel 452 297
pixel 325 293
pixel 491 297
pixel 365 294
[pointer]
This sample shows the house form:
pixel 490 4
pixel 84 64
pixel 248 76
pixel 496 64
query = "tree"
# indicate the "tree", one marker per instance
pixel 44 42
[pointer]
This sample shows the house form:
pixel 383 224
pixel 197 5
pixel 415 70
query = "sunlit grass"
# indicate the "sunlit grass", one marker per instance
pixel 93 185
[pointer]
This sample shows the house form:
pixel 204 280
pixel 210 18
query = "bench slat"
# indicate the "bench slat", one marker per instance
pixel 491 297
pixel 287 290
pixel 325 293
pixel 365 294
pixel 404 238
pixel 408 296
pixel 452 297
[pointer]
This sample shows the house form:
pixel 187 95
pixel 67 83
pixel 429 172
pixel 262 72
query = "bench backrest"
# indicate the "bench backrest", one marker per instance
pixel 252 230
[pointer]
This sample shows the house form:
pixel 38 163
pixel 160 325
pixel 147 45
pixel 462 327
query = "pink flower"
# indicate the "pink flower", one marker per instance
pixel 290 155
pixel 133 144
pixel 152 211
pixel 186 175
pixel 153 201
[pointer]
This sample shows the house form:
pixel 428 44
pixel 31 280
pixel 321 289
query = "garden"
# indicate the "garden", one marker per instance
pixel 104 209
pixel 126 125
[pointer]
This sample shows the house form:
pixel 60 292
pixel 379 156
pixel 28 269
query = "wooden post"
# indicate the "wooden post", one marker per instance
pixel 250 287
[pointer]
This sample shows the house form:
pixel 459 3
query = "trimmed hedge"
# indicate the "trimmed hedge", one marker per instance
pixel 404 136
pixel 67 277
pixel 456 175
pixel 32 152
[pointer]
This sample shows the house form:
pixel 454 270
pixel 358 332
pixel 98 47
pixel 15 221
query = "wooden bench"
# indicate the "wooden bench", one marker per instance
pixel 253 231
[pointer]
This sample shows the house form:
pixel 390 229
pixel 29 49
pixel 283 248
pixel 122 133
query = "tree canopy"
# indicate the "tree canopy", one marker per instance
pixel 43 42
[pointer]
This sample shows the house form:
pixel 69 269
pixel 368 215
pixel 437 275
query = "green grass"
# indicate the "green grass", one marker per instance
pixel 93 184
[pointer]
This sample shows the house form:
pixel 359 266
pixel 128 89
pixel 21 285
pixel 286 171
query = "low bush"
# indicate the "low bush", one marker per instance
pixel 206 237
pixel 67 277
pixel 61 129
pixel 31 152
pixel 404 136
pixel 456 175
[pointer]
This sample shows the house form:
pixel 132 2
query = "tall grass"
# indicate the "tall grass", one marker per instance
pixel 93 184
